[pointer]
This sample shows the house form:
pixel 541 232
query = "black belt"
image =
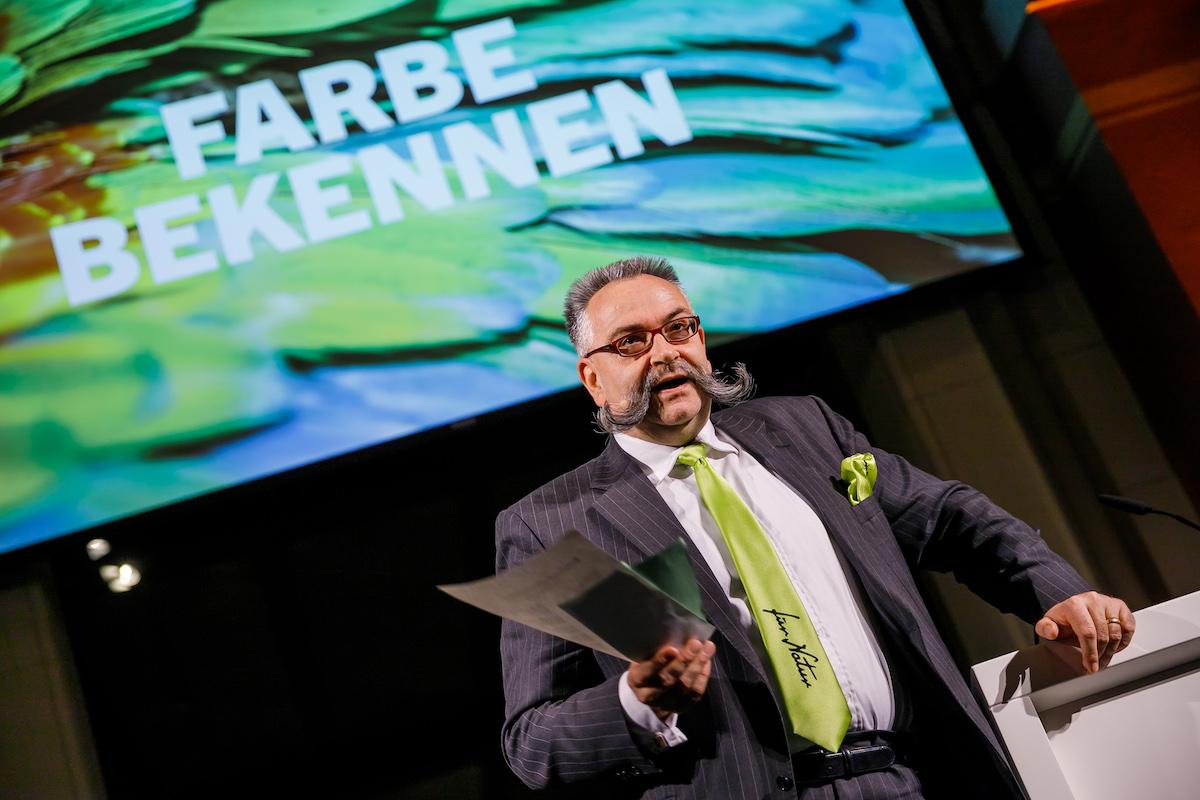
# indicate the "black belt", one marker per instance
pixel 861 752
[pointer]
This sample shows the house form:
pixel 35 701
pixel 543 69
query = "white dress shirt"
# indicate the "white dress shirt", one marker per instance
pixel 832 601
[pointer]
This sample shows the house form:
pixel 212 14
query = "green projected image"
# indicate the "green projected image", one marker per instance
pixel 241 236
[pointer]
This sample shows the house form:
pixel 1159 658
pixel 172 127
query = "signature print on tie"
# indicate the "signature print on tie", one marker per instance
pixel 804 660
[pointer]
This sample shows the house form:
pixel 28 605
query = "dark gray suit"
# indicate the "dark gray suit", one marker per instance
pixel 564 719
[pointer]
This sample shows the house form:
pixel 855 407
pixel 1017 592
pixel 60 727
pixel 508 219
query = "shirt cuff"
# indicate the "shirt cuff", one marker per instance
pixel 652 734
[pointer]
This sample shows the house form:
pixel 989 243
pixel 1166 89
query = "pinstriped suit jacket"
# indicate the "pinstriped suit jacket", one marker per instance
pixel 564 723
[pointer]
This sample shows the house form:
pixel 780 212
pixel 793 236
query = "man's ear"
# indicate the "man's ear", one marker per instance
pixel 591 382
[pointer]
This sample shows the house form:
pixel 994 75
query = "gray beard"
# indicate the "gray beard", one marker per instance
pixel 722 390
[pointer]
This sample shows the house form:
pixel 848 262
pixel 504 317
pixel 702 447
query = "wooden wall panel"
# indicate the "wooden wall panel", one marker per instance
pixel 1137 67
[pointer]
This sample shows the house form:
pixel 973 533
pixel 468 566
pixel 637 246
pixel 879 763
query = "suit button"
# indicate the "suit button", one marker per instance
pixel 785 783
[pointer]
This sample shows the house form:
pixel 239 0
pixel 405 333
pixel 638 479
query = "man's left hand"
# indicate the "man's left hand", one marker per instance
pixel 1099 625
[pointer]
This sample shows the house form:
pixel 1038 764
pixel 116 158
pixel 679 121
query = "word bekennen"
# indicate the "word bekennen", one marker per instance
pixel 92 254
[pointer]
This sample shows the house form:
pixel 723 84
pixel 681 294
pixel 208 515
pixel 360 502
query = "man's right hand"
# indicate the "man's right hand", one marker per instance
pixel 673 678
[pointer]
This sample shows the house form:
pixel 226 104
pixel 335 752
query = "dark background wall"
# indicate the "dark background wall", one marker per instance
pixel 287 636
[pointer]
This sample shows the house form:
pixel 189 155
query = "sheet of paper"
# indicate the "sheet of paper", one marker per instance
pixel 634 616
pixel 531 592
pixel 671 571
pixel 612 609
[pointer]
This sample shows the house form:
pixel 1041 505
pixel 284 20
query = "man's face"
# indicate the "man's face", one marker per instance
pixel 676 412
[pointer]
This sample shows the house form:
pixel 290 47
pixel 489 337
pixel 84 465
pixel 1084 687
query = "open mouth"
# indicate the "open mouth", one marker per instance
pixel 670 383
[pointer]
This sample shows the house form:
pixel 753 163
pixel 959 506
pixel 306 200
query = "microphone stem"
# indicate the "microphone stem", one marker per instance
pixel 1177 518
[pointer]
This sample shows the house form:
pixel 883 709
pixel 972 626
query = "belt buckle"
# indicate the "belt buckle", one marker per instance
pixel 836 765
pixel 871 758
pixel 822 767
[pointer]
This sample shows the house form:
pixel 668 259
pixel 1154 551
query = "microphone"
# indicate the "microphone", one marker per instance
pixel 1124 504
pixel 1132 506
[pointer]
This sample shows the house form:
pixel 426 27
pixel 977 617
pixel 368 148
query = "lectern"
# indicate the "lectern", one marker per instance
pixel 1129 731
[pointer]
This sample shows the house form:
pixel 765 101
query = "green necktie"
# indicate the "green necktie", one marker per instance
pixel 815 704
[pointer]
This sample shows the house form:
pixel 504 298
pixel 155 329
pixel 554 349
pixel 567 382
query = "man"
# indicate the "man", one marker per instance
pixel 825 675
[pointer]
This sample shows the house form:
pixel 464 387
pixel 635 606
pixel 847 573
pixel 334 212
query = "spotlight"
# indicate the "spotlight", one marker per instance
pixel 120 578
pixel 98 549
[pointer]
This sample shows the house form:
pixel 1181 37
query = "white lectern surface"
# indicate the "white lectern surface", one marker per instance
pixel 1129 731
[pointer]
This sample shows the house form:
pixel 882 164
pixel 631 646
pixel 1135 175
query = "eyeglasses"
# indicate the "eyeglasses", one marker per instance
pixel 634 343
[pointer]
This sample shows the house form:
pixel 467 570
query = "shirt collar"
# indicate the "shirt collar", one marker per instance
pixel 659 459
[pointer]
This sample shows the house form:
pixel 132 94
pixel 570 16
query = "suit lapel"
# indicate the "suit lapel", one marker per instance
pixel 629 502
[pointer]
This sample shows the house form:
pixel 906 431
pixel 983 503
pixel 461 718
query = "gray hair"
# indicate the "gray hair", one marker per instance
pixel 583 289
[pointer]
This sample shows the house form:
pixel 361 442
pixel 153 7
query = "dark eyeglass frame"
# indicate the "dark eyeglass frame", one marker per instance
pixel 612 347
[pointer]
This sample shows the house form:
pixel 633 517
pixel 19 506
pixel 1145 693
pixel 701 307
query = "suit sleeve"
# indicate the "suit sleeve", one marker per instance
pixel 563 722
pixel 946 525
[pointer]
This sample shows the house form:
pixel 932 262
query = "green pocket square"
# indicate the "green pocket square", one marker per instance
pixel 859 473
